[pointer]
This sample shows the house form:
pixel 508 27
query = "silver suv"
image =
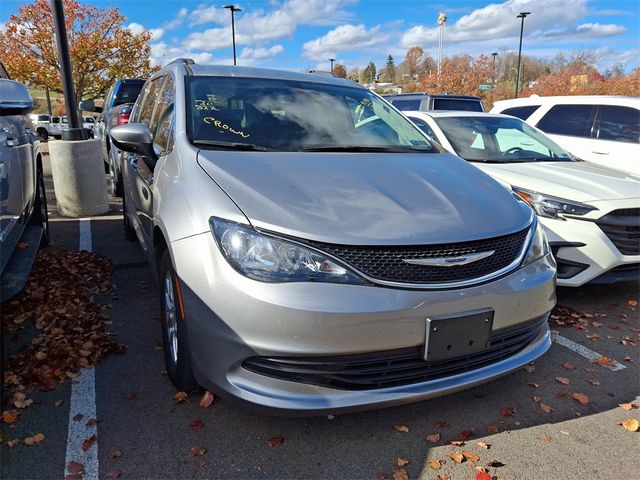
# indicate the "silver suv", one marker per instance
pixel 316 252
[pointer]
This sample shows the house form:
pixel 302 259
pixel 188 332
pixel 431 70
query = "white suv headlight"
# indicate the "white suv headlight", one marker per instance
pixel 538 245
pixel 552 207
pixel 269 259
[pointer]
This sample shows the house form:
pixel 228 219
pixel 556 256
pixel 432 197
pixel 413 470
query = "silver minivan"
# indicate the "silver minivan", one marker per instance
pixel 316 252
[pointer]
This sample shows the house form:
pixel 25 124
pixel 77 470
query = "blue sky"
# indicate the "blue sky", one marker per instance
pixel 303 34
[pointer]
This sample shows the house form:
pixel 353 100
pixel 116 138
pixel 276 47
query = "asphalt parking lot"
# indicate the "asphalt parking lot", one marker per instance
pixel 558 418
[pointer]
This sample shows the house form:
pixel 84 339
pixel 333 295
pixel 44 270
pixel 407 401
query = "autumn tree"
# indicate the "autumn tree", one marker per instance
pixel 101 47
pixel 461 75
pixel 412 61
pixel 369 73
pixel 339 70
pixel 390 70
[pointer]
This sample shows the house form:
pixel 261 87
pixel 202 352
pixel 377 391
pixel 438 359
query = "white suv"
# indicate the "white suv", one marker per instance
pixel 600 129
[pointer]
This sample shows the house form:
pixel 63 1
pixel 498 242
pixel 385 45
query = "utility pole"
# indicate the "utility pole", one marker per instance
pixel 332 60
pixel 522 16
pixel 233 9
pixel 442 19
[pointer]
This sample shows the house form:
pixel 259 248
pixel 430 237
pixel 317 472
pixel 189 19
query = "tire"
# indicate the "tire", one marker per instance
pixel 115 183
pixel 40 216
pixel 174 336
pixel 129 231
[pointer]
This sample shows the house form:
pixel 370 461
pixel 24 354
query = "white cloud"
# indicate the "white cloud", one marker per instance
pixel 204 14
pixel 137 28
pixel 176 22
pixel 344 38
pixel 260 53
pixel 161 54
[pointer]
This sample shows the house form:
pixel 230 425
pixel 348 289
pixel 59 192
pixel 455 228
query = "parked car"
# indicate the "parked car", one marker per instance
pixel 601 129
pixel 24 224
pixel 89 123
pixel 590 212
pixel 314 257
pixel 123 92
pixel 41 124
pixel 424 102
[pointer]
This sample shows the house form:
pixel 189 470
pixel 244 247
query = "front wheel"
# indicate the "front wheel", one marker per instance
pixel 176 347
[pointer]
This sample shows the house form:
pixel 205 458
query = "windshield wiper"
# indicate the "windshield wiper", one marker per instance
pixel 364 148
pixel 232 145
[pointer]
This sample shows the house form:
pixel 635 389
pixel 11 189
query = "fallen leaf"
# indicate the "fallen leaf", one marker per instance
pixel 88 442
pixel 457 443
pixel 444 476
pixel 495 464
pixel 113 474
pixel 92 422
pixel 201 463
pixel 456 457
pixel 34 440
pixel 78 417
pixel 545 438
pixel 483 475
pixel 627 406
pixel 492 428
pixel 382 476
pixel 75 467
pixel 471 456
pixel 633 303
pixel 534 385
pixel 465 434
pixel 440 425
pixel 22 245
pixel 508 411
pixel 180 397
pixel 197 451
pixel 400 474
pixel 434 464
pixel 529 368
pixel 563 380
pixel 569 366
pixel 631 424
pixel 275 442
pixel 10 416
pixel 595 383
pixel 115 454
pixel 580 398
pixel 546 408
pixel 432 437
pixel 484 445
pixel 401 462
pixel 207 399
pixel 401 428
pixel 57 403
pixel 197 424
pixel 536 398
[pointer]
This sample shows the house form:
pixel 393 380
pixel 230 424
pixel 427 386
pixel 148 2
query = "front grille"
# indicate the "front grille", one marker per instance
pixel 622 227
pixel 392 367
pixel 385 262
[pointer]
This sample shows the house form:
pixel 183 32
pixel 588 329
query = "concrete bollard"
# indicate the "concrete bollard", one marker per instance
pixel 78 177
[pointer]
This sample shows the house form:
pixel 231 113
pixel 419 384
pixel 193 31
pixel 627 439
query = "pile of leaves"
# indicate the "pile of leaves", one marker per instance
pixel 71 334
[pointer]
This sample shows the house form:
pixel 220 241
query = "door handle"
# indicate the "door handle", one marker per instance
pixel 599 153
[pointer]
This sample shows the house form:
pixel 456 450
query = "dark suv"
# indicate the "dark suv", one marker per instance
pixel 115 111
pixel 423 101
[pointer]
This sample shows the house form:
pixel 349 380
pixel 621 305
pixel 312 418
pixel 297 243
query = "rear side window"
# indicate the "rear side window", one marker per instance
pixel 572 120
pixel 128 93
pixel 422 125
pixel 457 104
pixel 620 124
pixel 406 104
pixel 521 112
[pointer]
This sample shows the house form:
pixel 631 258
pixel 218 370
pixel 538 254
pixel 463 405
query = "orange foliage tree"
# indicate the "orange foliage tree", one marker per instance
pixel 461 75
pixel 102 49
pixel 340 71
pixel 575 80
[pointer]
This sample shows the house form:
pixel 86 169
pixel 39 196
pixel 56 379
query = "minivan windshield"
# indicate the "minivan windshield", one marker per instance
pixel 499 140
pixel 283 115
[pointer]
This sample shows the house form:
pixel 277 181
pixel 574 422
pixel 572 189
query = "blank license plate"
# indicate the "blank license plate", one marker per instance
pixel 458 335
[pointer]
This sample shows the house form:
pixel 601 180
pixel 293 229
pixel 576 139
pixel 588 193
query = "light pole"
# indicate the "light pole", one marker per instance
pixel 522 16
pixel 233 9
pixel 494 55
pixel 332 60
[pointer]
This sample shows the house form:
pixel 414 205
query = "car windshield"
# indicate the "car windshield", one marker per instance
pixel 498 139
pixel 283 115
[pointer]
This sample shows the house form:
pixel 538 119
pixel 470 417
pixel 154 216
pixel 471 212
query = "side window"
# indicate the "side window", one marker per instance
pixel 521 112
pixel 162 120
pixel 406 104
pixel 572 120
pixel 426 129
pixel 145 112
pixel 620 124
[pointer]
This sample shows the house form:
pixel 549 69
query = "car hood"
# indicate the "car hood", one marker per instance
pixel 579 181
pixel 366 198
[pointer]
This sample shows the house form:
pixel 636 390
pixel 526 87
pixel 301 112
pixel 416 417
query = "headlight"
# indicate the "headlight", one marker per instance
pixel 268 259
pixel 538 246
pixel 552 207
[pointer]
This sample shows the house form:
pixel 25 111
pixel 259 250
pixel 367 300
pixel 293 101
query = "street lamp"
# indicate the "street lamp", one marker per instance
pixel 522 15
pixel 332 60
pixel 233 9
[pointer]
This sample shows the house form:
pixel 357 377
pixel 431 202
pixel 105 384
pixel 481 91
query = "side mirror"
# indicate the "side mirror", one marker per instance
pixel 89 106
pixel 135 138
pixel 14 98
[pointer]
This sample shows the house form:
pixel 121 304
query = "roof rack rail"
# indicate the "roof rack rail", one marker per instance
pixel 183 61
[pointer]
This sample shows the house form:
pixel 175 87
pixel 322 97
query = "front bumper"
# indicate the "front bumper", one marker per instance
pixel 583 251
pixel 231 318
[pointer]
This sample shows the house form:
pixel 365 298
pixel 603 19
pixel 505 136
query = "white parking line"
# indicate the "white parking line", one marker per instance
pixel 82 411
pixel 584 351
